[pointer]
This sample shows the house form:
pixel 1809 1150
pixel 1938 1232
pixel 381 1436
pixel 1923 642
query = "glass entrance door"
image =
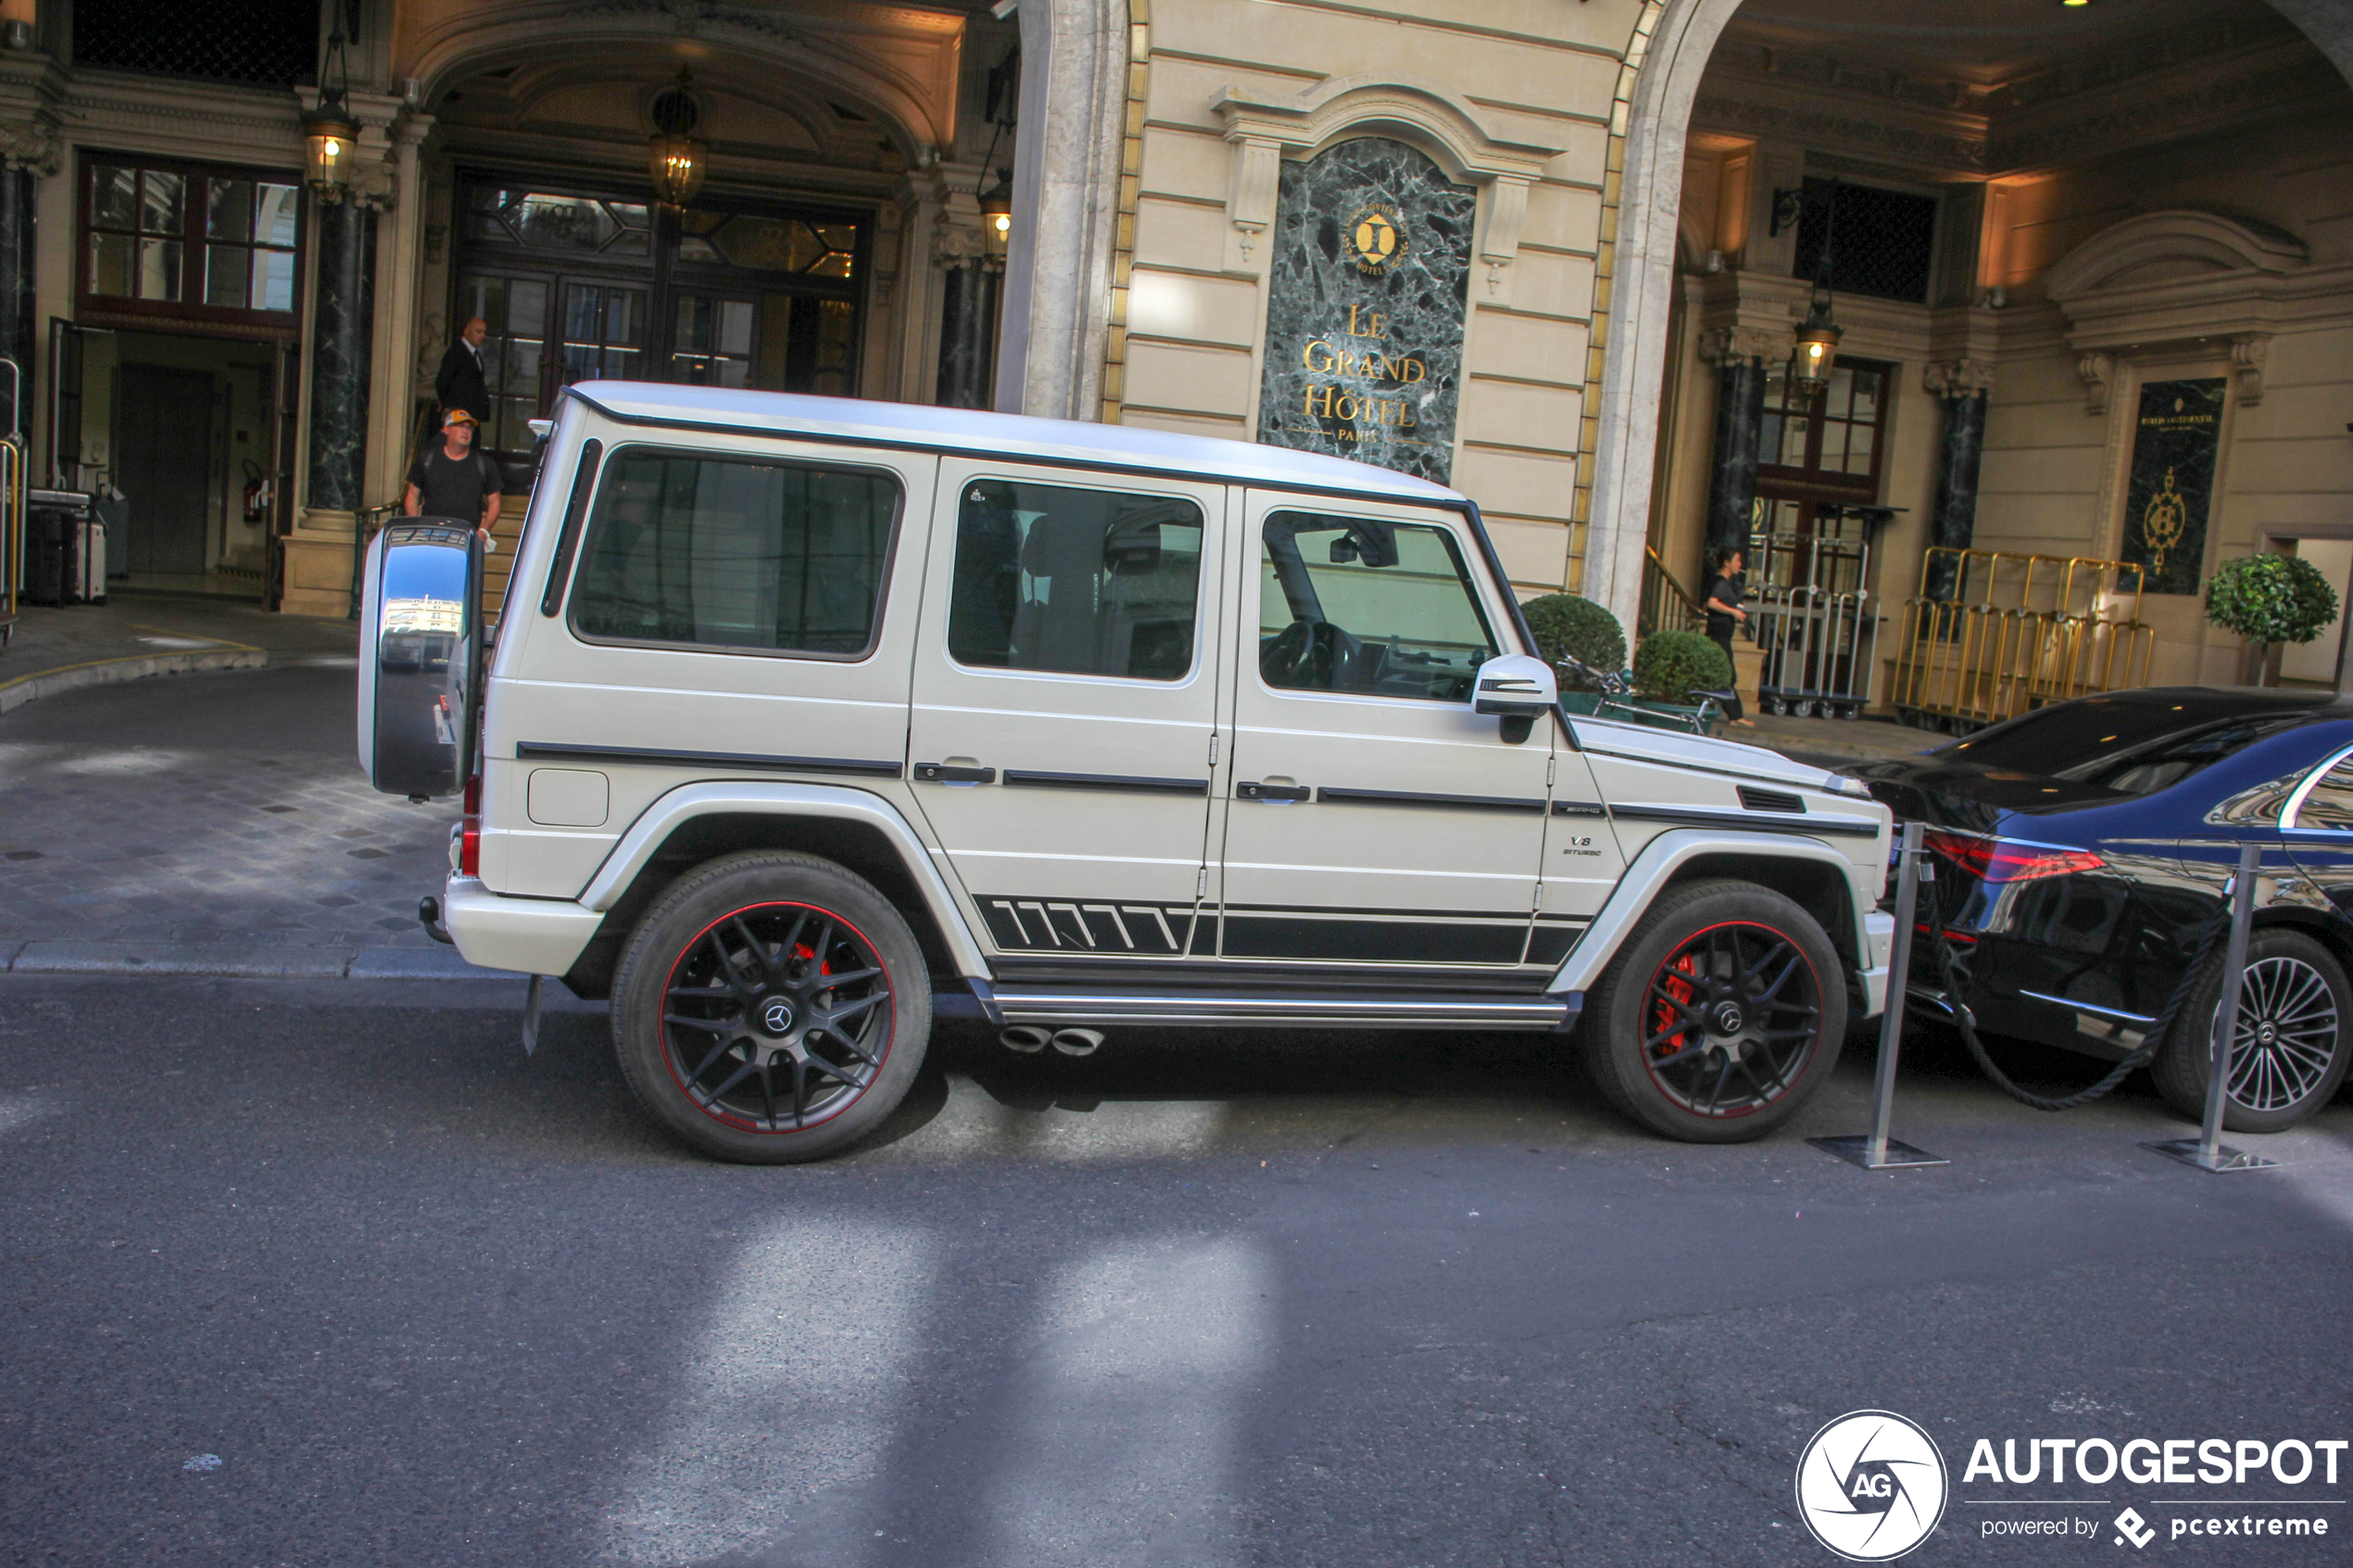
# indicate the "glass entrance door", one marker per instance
pixel 578 285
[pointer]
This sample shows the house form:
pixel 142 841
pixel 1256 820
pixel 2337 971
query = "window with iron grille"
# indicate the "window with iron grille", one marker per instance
pixel 1885 243
pixel 189 241
pixel 265 43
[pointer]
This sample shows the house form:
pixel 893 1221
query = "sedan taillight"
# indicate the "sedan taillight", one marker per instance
pixel 2009 860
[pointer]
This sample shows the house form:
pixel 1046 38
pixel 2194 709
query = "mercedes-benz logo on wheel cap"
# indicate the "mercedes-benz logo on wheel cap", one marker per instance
pixel 776 1017
pixel 1871 1485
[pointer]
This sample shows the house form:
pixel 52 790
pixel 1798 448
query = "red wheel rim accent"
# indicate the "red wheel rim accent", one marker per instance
pixel 776 995
pixel 1731 1020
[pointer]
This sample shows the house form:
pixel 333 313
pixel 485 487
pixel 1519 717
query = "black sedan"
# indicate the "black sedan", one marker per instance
pixel 2081 851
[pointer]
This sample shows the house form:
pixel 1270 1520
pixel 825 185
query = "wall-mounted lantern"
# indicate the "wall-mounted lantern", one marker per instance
pixel 677 159
pixel 329 128
pixel 997 214
pixel 1818 336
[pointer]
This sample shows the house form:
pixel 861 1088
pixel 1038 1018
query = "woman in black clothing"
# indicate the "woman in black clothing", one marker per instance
pixel 1722 602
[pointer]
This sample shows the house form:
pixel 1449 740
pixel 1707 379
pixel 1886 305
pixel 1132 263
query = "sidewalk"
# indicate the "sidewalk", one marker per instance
pixel 1833 742
pixel 136 634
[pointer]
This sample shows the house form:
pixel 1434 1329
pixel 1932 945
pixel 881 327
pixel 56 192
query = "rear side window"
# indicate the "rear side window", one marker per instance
pixel 1051 577
pixel 2330 803
pixel 736 553
pixel 1360 605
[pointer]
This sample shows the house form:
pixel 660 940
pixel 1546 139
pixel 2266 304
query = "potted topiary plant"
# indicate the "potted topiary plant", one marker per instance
pixel 1567 624
pixel 1670 666
pixel 2269 599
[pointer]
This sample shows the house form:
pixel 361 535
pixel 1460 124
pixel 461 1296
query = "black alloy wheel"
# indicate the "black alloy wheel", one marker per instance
pixel 2290 1051
pixel 1721 1016
pixel 779 1017
pixel 771 1007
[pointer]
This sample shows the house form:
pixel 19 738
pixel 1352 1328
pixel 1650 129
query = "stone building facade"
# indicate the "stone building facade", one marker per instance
pixel 1525 245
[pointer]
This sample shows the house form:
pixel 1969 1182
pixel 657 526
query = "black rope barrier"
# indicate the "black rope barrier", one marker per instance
pixel 1941 950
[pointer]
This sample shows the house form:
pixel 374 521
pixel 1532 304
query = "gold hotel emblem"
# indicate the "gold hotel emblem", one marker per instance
pixel 1376 237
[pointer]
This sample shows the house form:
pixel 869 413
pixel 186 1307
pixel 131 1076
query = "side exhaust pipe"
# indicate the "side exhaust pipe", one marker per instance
pixel 1025 1038
pixel 1079 1042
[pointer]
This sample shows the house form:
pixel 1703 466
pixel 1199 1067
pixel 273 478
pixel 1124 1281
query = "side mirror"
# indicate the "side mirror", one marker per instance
pixel 1518 689
pixel 420 656
pixel 1515 686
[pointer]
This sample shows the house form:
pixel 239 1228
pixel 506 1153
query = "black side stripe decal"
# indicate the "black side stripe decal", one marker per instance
pixel 1808 827
pixel 552 751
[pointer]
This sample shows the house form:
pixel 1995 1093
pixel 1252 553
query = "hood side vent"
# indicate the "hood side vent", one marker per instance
pixel 1770 799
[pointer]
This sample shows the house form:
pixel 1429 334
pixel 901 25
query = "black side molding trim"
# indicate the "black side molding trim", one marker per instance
pixel 1330 797
pixel 1023 778
pixel 1804 827
pixel 1579 808
pixel 551 751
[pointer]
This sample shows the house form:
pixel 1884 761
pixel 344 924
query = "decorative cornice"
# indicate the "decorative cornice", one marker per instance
pixel 2095 370
pixel 2156 116
pixel 2249 351
pixel 1469 141
pixel 1958 378
pixel 1844 130
pixel 1720 345
pixel 32 145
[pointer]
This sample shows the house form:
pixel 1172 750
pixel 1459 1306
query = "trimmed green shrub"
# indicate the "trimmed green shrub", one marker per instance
pixel 1565 623
pixel 1670 666
pixel 2268 598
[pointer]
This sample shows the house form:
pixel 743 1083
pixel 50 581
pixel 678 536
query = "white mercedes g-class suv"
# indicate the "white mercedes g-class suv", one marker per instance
pixel 808 720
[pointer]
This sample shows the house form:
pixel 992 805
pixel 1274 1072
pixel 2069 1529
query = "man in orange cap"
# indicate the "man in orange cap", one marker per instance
pixel 453 480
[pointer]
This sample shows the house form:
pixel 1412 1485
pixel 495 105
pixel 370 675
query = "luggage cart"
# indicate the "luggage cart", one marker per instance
pixel 1814 622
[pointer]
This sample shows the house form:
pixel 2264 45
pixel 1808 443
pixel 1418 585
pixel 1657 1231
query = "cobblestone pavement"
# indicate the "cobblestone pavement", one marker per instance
pixel 208 808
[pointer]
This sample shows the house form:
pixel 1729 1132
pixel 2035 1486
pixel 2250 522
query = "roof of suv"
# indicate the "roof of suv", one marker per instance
pixel 1010 435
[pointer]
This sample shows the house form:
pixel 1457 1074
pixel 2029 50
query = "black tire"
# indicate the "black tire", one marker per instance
pixel 726 1030
pixel 1657 1035
pixel 2292 1047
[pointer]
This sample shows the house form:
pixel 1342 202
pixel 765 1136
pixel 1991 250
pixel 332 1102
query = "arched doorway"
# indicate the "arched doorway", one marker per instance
pixel 2023 134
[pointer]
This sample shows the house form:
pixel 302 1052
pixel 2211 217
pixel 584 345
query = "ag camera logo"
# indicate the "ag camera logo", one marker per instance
pixel 1871 1485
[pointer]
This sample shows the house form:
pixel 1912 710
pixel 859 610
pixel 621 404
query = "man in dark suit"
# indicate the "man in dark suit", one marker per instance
pixel 459 384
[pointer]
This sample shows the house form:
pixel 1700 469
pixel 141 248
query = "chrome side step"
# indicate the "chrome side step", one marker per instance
pixel 1292 1010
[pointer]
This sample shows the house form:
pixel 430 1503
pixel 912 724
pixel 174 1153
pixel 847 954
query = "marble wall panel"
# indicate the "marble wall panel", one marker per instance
pixel 1370 272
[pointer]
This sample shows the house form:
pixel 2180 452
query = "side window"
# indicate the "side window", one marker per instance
pixel 736 553
pixel 1079 582
pixel 1356 605
pixel 2330 803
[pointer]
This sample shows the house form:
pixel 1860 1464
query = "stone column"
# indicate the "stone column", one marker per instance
pixel 1739 355
pixel 967 337
pixel 27 152
pixel 341 355
pixel 968 286
pixel 1960 388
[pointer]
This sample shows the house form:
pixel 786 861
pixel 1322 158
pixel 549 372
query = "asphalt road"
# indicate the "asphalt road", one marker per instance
pixel 331 1273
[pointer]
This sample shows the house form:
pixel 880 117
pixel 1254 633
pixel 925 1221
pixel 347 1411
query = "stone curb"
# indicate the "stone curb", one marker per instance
pixel 241 961
pixel 15 694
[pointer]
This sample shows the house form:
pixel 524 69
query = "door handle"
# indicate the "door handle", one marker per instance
pixel 940 772
pixel 1271 791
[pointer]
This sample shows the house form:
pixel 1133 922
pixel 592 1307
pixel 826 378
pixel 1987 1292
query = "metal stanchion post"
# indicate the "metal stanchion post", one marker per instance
pixel 2207 1151
pixel 1877 1151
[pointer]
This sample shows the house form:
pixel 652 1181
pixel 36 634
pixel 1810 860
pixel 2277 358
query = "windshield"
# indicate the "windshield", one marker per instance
pixel 2125 746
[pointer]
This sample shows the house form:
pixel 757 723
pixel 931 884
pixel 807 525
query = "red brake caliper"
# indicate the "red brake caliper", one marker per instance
pixel 1683 991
